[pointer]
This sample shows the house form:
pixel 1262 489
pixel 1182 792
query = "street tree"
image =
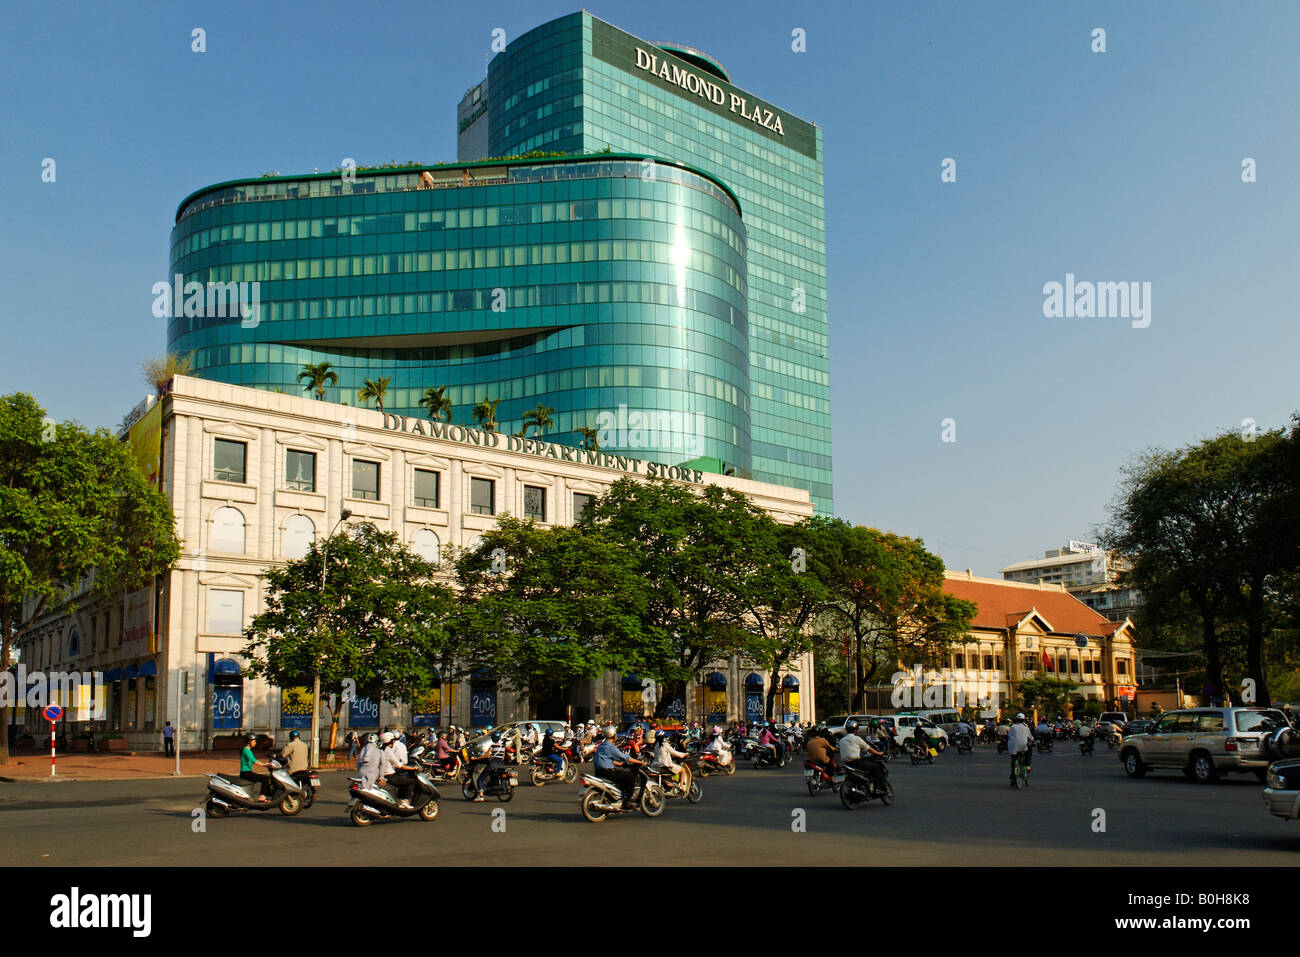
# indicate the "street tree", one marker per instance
pixel 380 628
pixel 73 504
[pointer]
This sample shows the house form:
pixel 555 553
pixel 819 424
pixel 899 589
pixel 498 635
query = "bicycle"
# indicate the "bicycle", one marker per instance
pixel 1022 770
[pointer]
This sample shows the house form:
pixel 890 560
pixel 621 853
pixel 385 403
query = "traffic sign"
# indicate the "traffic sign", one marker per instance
pixel 53 713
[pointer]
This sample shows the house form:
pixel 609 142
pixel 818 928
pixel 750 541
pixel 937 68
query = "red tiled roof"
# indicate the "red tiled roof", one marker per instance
pixel 1001 604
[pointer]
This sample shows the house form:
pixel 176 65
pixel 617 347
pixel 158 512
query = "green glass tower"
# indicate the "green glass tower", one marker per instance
pixel 581 85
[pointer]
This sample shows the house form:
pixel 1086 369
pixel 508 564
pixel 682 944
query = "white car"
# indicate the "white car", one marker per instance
pixel 905 728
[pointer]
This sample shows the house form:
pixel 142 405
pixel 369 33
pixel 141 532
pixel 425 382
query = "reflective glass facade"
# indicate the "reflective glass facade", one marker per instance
pixel 578 84
pixel 612 289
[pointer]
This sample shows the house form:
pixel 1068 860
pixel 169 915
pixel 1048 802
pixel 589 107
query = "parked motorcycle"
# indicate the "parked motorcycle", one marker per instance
pixel 603 798
pixel 857 788
pixel 228 796
pixel 378 802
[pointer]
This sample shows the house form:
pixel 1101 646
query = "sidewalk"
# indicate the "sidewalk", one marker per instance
pixel 29 765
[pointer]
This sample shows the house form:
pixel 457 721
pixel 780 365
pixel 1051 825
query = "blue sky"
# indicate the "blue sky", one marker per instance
pixel 1115 166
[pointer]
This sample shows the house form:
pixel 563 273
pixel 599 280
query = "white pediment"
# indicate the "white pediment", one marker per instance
pixel 580 485
pixel 483 471
pixel 360 450
pixel 428 462
pixel 301 440
pixel 230 430
pixel 227 580
pixel 535 478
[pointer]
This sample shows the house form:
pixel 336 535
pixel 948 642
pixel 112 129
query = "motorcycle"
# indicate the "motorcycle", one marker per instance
pixel 500 784
pixel 964 743
pixel 988 734
pixel 820 777
pixel 857 788
pixel 309 780
pixel 705 763
pixel 545 770
pixel 1114 739
pixel 227 796
pixel 440 773
pixel 919 753
pixel 1085 744
pixel 603 798
pixel 765 755
pixel 1044 743
pixel 378 802
pixel 684 785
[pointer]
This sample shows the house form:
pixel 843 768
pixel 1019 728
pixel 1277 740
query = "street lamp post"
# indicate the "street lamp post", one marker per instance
pixel 320 628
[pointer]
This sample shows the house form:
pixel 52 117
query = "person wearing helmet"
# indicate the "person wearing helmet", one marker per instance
pixel 551 752
pixel 395 769
pixel 496 750
pixel 443 753
pixel 769 740
pixel 1020 745
pixel 820 749
pixel 368 761
pixel 614 764
pixel 251 769
pixel 858 753
pixel 294 754
pixel 664 755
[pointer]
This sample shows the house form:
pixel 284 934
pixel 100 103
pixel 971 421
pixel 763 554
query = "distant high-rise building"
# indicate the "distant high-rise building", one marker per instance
pixel 1087 572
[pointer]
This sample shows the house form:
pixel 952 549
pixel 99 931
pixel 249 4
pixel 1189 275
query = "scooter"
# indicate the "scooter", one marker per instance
pixel 685 784
pixel 603 798
pixel 501 784
pixel 380 801
pixel 705 763
pixel 545 770
pixel 226 796
pixel 857 788
pixel 452 772
pixel 919 754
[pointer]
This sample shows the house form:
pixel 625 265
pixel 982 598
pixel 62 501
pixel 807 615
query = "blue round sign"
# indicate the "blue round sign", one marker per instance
pixel 53 713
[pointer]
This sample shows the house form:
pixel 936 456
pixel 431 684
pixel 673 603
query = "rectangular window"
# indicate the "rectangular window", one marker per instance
pixel 482 496
pixel 958 660
pixel 300 471
pixel 225 612
pixel 581 502
pixel 228 461
pixel 988 662
pixel 365 480
pixel 426 488
pixel 1121 666
pixel 535 503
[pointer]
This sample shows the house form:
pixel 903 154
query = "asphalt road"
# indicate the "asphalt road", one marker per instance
pixel 957 811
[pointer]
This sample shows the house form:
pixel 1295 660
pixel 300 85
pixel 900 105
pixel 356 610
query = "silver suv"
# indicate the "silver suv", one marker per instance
pixel 1204 743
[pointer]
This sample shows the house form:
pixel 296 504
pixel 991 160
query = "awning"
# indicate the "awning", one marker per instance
pixel 149 669
pixel 113 674
pixel 131 671
pixel 226 666
pixel 789 681
pixel 753 681
pixel 715 679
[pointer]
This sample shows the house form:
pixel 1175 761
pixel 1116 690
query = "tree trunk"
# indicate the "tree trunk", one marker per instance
pixel 670 691
pixel 772 687
pixel 6 627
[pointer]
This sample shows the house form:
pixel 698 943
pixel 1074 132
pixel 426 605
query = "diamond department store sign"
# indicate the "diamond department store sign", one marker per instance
pixel 463 435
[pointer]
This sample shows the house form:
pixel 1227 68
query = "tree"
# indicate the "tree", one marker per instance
pixel 544 608
pixel 436 402
pixel 1213 524
pixel 1048 695
pixel 162 369
pixel 381 622
pixel 785 594
pixel 590 439
pixel 539 418
pixel 374 389
pixel 691 551
pixel 485 413
pixel 888 604
pixel 317 377
pixel 71 502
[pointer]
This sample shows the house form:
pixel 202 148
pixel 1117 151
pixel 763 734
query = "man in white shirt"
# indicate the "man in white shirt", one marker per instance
pixel 858 753
pixel 1020 741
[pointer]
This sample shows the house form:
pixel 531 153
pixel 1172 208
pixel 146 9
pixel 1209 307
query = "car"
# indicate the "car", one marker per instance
pixel 1204 743
pixel 1108 721
pixel 835 725
pixel 1138 727
pixel 907 728
pixel 1282 780
pixel 508 730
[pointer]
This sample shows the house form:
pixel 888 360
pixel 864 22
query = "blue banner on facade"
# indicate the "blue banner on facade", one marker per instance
pixel 363 713
pixel 227 709
pixel 754 707
pixel 677 708
pixel 483 707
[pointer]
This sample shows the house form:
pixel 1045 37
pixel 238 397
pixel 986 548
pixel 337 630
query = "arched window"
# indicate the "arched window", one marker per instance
pixel 299 533
pixel 227 531
pixel 425 544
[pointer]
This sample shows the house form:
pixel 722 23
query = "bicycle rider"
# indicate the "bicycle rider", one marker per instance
pixel 1020 745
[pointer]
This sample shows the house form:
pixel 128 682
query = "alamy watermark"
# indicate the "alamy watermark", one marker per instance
pixel 213 300
pixel 1098 300
pixel 946 688
pixel 649 429
pixel 80 690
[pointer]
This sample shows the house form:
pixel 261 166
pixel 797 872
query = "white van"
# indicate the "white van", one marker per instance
pixel 946 718
pixel 905 728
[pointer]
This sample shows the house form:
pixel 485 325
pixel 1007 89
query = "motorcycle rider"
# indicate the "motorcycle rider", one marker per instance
pixel 1043 730
pixel 859 754
pixel 966 731
pixel 820 750
pixel 769 740
pixel 1020 741
pixel 443 753
pixel 251 769
pixel 294 754
pixel 368 761
pixel 496 751
pixel 393 769
pixel 613 764
pixel 664 754
pixel 551 753
pixel 921 740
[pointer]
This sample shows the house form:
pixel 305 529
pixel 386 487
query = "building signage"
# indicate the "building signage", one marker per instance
pixel 669 72
pixel 464 435
pixel 227 708
pixel 295 707
pixel 363 713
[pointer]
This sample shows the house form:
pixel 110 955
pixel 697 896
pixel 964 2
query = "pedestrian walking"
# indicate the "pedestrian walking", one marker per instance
pixel 169 743
pixel 354 744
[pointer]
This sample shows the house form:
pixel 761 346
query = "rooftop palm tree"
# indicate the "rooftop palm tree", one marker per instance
pixel 375 389
pixel 590 439
pixel 437 403
pixel 318 376
pixel 539 417
pixel 485 413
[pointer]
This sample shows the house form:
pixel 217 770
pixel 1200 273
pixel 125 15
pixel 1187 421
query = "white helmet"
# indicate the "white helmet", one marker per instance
pixel 558 735
pixel 609 731
pixel 387 737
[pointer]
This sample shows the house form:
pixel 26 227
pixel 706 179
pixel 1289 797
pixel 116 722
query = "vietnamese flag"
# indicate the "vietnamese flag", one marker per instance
pixel 1047 661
